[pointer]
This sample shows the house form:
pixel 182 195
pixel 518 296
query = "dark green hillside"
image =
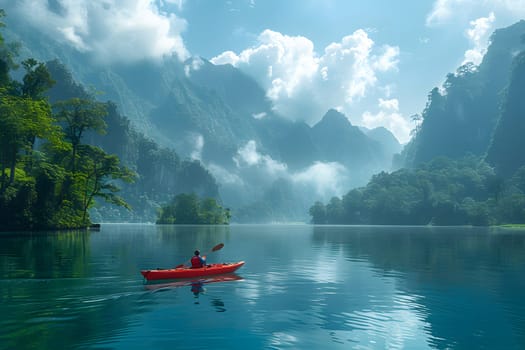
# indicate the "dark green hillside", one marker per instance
pixel 188 112
pixel 234 87
pixel 506 152
pixel 161 174
pixel 460 118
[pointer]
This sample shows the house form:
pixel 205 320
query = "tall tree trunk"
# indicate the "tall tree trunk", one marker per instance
pixel 2 178
pixel 12 172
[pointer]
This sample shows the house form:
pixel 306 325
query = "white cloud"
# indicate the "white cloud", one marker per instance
pixel 197 141
pixel 259 115
pixel 223 176
pixel 388 60
pixel 389 117
pixel 254 172
pixel 392 104
pixel 444 11
pixel 280 63
pixel 302 83
pixel 195 64
pixel 227 57
pixel 111 30
pixel 248 156
pixel 478 35
pixel 328 179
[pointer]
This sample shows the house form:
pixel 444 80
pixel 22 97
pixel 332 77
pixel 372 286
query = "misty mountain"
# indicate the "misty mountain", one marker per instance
pixel 161 174
pixel 506 149
pixel 384 137
pixel 340 141
pixel 460 118
pixel 221 117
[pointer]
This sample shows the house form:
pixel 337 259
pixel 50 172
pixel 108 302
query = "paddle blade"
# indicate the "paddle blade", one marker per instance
pixel 218 247
pixel 179 266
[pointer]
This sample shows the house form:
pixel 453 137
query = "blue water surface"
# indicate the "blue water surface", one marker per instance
pixel 303 287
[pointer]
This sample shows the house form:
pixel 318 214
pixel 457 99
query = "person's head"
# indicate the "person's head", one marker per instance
pixel 196 252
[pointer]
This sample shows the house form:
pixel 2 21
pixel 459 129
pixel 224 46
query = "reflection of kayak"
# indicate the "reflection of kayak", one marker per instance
pixel 191 282
pixel 188 272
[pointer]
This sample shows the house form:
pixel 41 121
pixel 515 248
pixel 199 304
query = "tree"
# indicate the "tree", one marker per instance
pixel 318 213
pixel 96 178
pixel 37 79
pixel 21 121
pixel 186 209
pixel 335 211
pixel 79 115
pixel 8 52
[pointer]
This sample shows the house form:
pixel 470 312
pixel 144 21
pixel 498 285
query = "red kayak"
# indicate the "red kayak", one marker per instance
pixel 188 272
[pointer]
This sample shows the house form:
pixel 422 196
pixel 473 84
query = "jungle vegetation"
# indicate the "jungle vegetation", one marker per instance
pixel 443 191
pixel 49 178
pixel 190 209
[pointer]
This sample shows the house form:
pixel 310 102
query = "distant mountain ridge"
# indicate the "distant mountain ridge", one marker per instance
pixel 223 118
pixel 211 113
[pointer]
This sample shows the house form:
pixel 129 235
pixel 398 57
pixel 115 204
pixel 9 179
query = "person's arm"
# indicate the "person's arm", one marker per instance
pixel 203 260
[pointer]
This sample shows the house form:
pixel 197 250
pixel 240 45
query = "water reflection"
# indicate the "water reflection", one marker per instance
pixel 461 284
pixel 303 287
pixel 197 287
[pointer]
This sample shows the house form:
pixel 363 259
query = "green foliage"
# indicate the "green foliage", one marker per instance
pixel 318 213
pixel 441 192
pixel 8 53
pixel 36 80
pixel 508 141
pixel 52 185
pixel 189 209
pixel 161 173
pixel 96 168
pixel 465 115
pixel 78 115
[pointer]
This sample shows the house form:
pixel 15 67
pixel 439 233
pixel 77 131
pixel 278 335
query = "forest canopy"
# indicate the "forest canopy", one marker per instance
pixel 441 192
pixel 190 209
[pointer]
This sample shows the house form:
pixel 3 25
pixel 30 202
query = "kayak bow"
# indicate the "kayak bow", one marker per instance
pixel 188 272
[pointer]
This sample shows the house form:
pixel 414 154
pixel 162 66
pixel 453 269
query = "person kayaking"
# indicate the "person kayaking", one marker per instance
pixel 197 261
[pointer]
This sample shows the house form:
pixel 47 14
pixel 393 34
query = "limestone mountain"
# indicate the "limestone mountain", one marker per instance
pixel 460 118
pixel 222 118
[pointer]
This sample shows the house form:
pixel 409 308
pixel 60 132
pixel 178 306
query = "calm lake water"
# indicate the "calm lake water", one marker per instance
pixel 303 287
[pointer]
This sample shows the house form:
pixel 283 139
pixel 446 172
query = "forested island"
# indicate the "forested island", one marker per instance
pixel 189 209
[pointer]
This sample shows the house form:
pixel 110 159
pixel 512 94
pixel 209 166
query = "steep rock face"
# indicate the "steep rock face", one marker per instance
pixel 460 118
pixel 234 87
pixel 506 150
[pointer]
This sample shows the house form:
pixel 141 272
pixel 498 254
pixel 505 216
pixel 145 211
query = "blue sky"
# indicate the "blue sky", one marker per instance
pixel 375 61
